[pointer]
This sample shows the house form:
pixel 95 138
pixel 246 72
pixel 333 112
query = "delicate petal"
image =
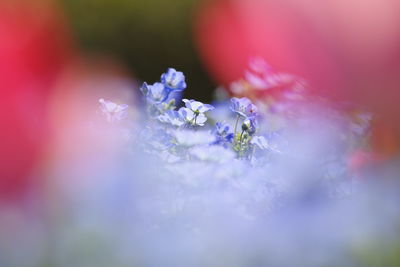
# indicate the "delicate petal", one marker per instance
pixel 223 133
pixel 173 80
pixel 113 111
pixel 195 105
pixel 205 108
pixel 259 65
pixel 197 108
pixel 251 110
pixel 256 81
pixel 200 119
pixel 156 93
pixel 243 107
pixel 187 114
pixel 144 89
pixel 107 106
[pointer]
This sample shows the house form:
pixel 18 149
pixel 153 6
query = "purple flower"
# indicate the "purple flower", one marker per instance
pixel 243 107
pixel 173 80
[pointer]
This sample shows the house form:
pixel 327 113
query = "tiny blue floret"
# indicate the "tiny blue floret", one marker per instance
pixel 173 80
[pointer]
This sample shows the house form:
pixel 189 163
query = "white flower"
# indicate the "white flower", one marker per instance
pixel 197 106
pixel 191 117
pixel 194 112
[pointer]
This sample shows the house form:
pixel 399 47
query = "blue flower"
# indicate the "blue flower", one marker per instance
pixel 243 107
pixel 113 111
pixel 173 80
pixel 156 93
pixel 223 134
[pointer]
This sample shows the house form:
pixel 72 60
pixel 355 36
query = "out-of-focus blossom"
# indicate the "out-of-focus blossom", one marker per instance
pixel 113 112
pixel 258 73
pixel 223 133
pixel 172 117
pixel 156 93
pixel 243 107
pixel 158 139
pixel 260 76
pixel 173 80
pixel 260 142
pixel 326 43
pixel 259 66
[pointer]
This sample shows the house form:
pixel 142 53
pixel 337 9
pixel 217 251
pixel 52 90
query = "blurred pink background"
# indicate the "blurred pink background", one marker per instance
pixel 347 50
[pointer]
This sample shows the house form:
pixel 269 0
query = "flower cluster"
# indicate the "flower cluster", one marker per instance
pixel 232 138
pixel 217 180
pixel 187 126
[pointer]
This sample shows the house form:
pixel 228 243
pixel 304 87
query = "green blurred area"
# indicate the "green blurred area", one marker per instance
pixel 148 36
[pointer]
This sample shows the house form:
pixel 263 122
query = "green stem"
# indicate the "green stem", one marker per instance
pixel 193 122
pixel 237 121
pixel 241 135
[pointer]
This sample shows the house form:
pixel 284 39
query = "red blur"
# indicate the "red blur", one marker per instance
pixel 347 50
pixel 34 46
